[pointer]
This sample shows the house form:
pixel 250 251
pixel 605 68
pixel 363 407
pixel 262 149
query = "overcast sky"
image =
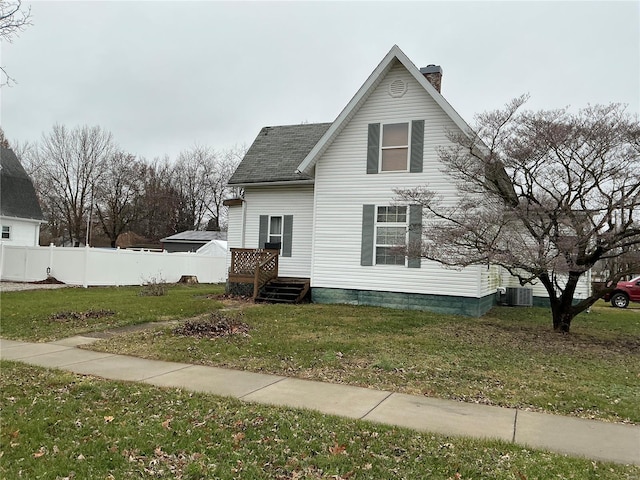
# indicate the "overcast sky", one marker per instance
pixel 163 76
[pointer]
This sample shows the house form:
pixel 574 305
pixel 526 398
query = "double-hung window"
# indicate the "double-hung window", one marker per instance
pixel 6 232
pixel 275 230
pixel 391 235
pixel 395 147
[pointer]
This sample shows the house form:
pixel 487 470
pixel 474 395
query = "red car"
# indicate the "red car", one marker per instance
pixel 624 293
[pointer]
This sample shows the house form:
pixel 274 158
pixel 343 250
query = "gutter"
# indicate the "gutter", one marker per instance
pixel 273 184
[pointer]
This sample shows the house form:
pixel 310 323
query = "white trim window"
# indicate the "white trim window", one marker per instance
pixel 391 235
pixel 6 232
pixel 275 229
pixel 394 148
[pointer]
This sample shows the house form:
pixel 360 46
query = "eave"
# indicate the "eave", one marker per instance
pixel 365 91
pixel 273 184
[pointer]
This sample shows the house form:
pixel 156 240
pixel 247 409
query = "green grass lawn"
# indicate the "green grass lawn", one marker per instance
pixel 510 357
pixel 57 425
pixel 27 315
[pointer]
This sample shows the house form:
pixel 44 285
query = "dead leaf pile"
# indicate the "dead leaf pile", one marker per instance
pixel 88 315
pixel 217 325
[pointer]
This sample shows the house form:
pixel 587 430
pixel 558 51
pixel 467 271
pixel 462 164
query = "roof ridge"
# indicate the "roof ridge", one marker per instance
pixel 372 81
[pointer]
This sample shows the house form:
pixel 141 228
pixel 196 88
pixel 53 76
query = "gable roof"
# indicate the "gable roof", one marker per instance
pixel 276 153
pixel 195 236
pixel 17 195
pixel 395 54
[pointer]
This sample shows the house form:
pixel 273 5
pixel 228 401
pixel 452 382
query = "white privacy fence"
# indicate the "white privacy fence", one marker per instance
pixel 100 266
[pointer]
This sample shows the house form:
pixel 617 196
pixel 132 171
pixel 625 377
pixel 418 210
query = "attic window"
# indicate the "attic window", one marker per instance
pixel 397 88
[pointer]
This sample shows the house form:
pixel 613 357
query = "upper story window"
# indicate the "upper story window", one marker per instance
pixel 395 147
pixel 391 235
pixel 6 232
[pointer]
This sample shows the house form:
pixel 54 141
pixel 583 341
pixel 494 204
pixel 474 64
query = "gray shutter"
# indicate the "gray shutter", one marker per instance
pixel 287 235
pixel 415 236
pixel 417 146
pixel 373 148
pixel 368 224
pixel 263 233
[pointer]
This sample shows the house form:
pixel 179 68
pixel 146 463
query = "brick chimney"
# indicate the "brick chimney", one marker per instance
pixel 433 73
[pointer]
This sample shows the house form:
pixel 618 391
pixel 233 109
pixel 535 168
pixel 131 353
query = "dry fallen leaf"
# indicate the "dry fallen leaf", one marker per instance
pixel 108 419
pixel 39 453
pixel 167 422
pixel 337 449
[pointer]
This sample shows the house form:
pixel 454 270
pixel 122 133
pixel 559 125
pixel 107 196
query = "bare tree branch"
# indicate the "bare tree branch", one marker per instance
pixel 13 20
pixel 546 195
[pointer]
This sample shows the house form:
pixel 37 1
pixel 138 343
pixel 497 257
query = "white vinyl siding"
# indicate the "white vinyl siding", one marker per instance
pixel 234 230
pixel 343 187
pixel 22 232
pixel 296 201
pixel 495 276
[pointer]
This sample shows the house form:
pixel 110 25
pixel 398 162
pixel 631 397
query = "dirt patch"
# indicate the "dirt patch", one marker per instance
pixel 49 281
pixel 75 316
pixel 217 325
pixel 234 301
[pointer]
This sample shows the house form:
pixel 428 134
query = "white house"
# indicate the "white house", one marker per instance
pixel 325 193
pixel 20 213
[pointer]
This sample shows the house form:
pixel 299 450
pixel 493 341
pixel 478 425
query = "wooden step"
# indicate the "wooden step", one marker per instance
pixel 283 290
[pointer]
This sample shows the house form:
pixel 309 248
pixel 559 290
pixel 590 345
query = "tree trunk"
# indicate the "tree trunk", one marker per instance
pixel 562 318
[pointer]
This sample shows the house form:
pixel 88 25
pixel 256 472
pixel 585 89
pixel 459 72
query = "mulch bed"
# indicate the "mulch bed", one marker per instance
pixel 49 281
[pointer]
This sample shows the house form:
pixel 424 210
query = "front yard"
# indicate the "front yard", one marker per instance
pixel 509 357
pixel 57 425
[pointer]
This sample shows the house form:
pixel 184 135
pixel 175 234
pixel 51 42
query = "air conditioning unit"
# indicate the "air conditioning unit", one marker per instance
pixel 519 297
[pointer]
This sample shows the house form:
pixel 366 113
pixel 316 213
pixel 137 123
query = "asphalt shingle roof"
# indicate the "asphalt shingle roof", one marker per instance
pixel 17 195
pixel 196 236
pixel 276 153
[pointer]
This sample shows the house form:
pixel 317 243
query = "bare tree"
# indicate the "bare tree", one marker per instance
pixel 159 203
pixel 13 20
pixel 226 164
pixel 118 194
pixel 192 176
pixel 73 162
pixel 201 176
pixel 545 195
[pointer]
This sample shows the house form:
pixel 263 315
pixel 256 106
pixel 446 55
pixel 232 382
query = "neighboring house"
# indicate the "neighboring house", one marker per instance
pixel 190 240
pixel 324 195
pixel 20 213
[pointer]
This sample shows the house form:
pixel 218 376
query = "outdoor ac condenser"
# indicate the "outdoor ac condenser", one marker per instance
pixel 519 297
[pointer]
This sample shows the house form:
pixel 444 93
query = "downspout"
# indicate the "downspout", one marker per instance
pixel 243 225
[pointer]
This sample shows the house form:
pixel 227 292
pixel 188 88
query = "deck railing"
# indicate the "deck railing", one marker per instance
pixel 256 266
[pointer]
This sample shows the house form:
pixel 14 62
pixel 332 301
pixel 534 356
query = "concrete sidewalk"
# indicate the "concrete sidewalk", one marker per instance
pixel 592 439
